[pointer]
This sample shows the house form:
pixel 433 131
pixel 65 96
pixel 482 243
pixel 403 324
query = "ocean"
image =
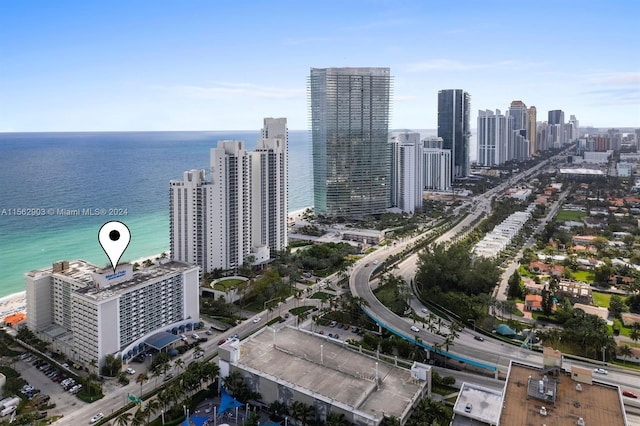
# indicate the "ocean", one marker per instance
pixel 57 189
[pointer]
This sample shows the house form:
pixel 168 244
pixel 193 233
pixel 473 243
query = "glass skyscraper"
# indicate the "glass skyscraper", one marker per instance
pixel 349 131
pixel 453 128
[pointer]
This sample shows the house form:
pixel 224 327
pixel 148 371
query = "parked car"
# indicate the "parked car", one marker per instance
pixel 209 332
pixel 168 377
pixel 256 320
pixel 130 371
pixel 424 310
pixel 629 394
pixel 332 324
pixel 600 371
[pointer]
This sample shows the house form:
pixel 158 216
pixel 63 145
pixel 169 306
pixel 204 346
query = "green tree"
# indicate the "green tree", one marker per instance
pixel 123 419
pixel 514 290
pixel 634 334
pixel 335 419
pixel 625 351
pixel 616 306
pixel 602 274
pixel 142 379
pixel 139 418
pixel 151 408
pixel 430 412
pixel 547 302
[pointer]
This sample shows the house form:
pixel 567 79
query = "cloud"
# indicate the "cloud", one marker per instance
pixel 452 65
pixel 614 96
pixel 226 89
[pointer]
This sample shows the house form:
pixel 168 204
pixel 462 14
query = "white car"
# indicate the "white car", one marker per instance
pixel 256 320
pixel 130 371
pixel 600 371
pixel 415 329
pixel 96 418
pixel 424 310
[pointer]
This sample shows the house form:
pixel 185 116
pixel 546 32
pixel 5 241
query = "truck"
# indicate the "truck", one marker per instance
pixel 7 411
pixel 10 402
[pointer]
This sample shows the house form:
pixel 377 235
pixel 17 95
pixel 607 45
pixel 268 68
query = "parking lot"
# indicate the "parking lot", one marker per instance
pixel 338 330
pixel 63 400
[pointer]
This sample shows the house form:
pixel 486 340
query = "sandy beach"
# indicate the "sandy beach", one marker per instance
pixel 12 304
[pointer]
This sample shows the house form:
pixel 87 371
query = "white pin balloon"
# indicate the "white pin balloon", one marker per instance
pixel 114 238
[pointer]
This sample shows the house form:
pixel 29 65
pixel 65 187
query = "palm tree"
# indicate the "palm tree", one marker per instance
pixel 138 418
pixel 233 382
pixel 335 419
pixel 625 351
pixel 123 419
pixel 391 421
pixel 179 363
pixel 430 412
pixel 634 334
pixel 142 379
pixel 278 410
pixel 296 408
pixel 164 398
pixel 151 408
pixel 156 374
pixel 94 364
pixel 209 371
pixel 306 412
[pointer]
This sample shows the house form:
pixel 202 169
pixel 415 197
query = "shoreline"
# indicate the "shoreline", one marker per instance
pixel 17 302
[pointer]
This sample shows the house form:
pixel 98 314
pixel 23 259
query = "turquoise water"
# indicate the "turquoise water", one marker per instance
pixel 148 237
pixel 129 170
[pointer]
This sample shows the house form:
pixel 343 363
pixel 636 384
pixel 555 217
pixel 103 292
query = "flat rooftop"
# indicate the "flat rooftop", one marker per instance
pixel 341 375
pixel 597 404
pixel 485 406
pixel 82 271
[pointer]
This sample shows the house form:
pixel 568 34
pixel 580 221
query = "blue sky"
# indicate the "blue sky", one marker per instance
pixel 224 65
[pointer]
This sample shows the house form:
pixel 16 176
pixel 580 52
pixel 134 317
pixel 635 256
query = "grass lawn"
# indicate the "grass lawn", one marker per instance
pixel 225 285
pixel 321 295
pixel 300 309
pixel 565 215
pixel 524 272
pixel 601 299
pixel 584 276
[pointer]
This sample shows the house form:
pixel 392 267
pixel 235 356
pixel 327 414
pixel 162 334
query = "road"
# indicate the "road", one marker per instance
pixel 117 397
pixel 490 354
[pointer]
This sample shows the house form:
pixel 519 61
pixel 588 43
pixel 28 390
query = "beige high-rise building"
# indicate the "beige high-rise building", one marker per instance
pixel 237 212
pixel 532 131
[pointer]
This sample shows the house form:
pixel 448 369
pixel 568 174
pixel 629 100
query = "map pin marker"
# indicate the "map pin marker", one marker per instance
pixel 114 238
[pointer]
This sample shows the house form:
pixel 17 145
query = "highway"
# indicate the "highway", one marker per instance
pixel 490 354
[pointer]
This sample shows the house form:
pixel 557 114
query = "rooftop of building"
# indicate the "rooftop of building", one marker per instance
pixel 324 367
pixel 597 404
pixel 476 405
pixel 82 272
